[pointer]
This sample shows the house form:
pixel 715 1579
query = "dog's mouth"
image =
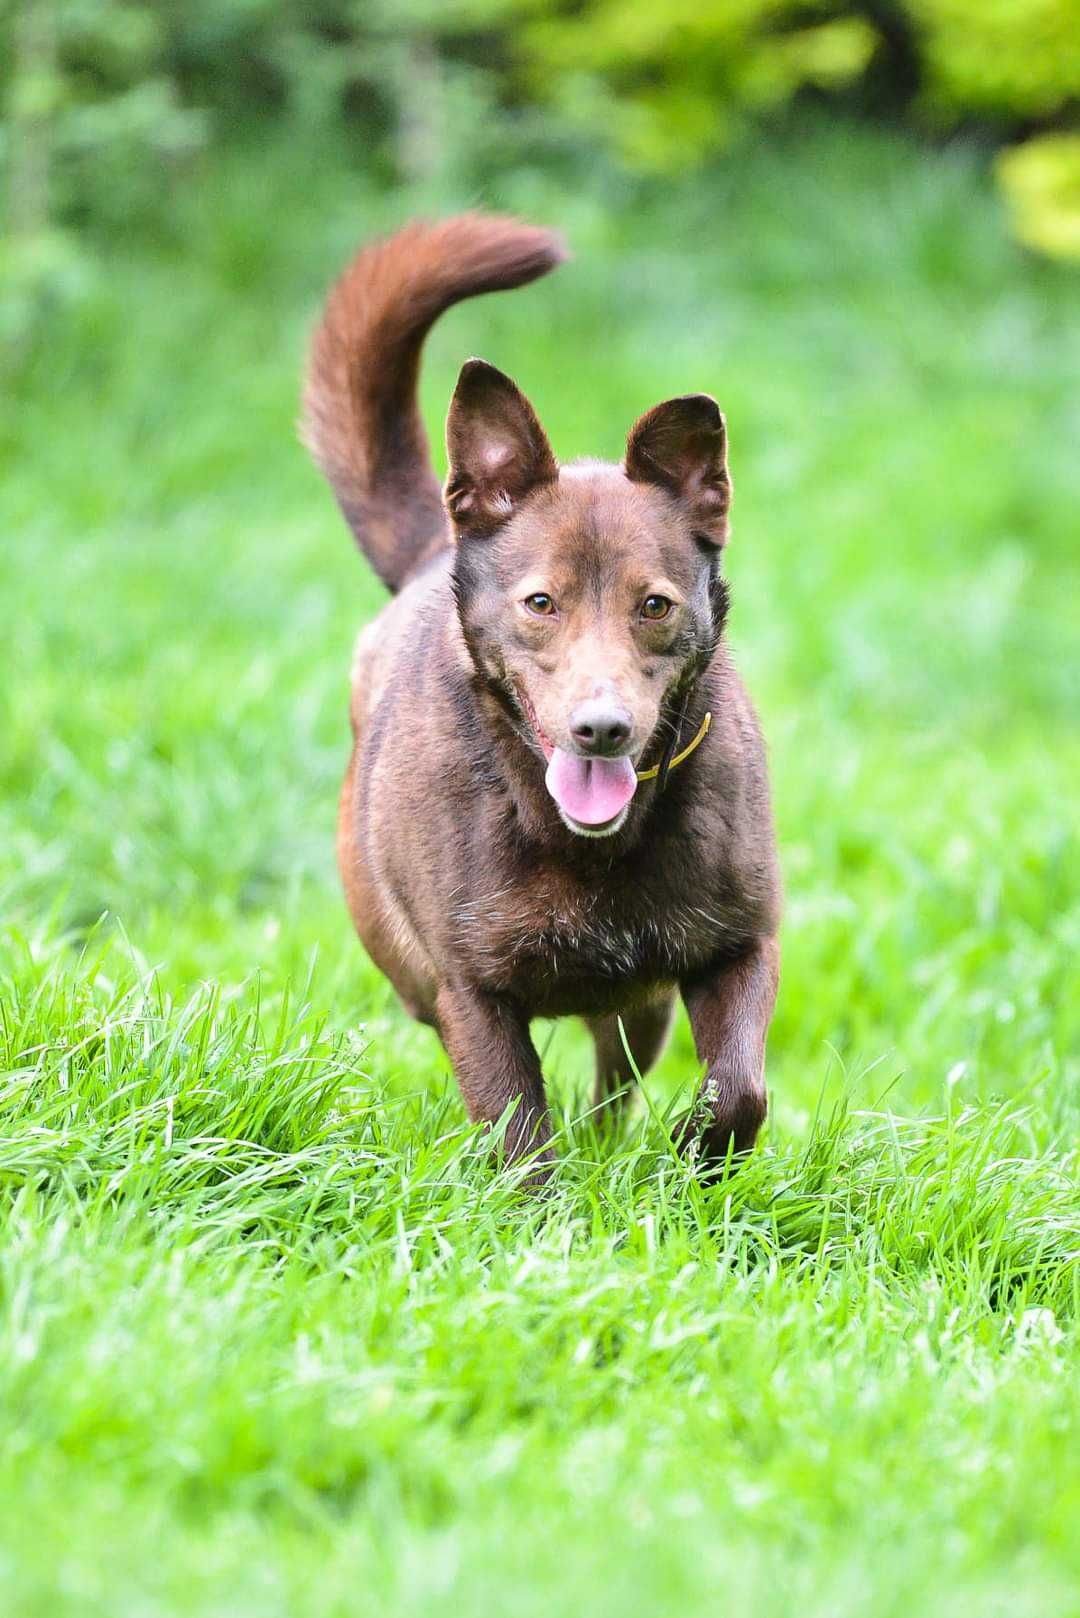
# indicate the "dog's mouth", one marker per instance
pixel 592 794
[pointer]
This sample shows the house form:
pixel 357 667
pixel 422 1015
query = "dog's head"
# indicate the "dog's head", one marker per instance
pixel 590 595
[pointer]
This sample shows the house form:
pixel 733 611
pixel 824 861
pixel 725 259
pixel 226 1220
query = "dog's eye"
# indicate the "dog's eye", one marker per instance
pixel 540 605
pixel 656 607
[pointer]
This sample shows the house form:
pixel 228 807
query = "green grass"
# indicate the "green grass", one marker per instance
pixel 274 1339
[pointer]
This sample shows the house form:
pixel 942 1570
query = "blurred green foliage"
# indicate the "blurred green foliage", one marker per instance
pixel 1005 59
pixel 106 104
pixel 1041 179
pixel 665 85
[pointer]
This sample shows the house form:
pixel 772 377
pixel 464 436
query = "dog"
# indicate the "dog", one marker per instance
pixel 557 802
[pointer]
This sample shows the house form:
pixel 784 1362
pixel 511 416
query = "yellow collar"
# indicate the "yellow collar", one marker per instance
pixel 703 731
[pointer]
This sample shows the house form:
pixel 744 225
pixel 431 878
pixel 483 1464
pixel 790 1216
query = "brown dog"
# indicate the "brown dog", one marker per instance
pixel 520 833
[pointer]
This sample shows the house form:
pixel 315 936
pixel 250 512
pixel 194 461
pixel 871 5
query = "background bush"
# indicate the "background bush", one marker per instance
pixel 107 102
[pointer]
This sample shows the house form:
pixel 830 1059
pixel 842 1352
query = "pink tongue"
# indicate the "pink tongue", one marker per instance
pixel 590 790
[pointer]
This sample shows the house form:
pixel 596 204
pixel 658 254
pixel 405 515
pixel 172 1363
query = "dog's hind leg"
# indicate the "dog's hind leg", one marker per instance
pixel 646 1030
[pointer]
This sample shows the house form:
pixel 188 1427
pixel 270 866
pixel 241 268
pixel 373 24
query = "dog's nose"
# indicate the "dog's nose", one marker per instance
pixel 600 726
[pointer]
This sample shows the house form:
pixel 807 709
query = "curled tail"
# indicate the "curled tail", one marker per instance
pixel 360 416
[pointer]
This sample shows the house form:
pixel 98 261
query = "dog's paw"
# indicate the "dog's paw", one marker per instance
pixel 527 1150
pixel 721 1124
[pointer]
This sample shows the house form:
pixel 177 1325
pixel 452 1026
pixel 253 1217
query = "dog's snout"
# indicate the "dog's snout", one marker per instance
pixel 600 726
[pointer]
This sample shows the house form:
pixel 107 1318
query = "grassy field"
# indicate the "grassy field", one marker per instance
pixel 273 1339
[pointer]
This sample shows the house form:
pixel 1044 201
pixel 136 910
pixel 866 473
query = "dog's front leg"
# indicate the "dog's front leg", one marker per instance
pixel 495 1064
pixel 730 1006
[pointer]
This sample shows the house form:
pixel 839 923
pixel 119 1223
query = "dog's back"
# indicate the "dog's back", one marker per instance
pixel 360 415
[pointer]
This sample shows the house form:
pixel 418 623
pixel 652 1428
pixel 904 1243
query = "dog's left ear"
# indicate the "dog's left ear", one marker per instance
pixel 682 446
pixel 497 449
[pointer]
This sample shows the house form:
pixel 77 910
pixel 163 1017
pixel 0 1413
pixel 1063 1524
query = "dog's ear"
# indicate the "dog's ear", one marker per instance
pixel 682 445
pixel 496 447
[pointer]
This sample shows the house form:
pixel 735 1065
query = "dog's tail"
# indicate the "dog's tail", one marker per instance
pixel 361 421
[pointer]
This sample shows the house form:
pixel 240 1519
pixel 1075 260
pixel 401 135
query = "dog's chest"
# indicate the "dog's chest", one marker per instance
pixel 556 945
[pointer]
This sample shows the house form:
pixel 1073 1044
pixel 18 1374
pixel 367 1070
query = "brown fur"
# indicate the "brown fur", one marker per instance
pixel 480 902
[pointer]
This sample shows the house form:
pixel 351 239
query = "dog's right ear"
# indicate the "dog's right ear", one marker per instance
pixel 682 445
pixel 497 449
